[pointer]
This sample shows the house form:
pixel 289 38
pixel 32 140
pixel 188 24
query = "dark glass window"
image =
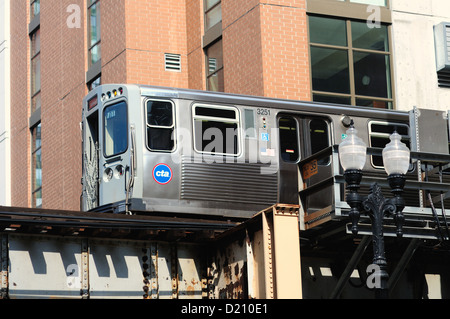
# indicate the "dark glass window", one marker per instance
pixel 318 130
pixel 94 44
pixel 371 74
pixel 330 72
pixel 350 61
pixel 36 166
pixel 115 129
pixel 160 126
pixel 328 31
pixel 214 71
pixel 288 139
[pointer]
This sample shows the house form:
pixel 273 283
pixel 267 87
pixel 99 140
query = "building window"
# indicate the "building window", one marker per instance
pixel 350 62
pixel 213 13
pixel 214 67
pixel 35 70
pixel 212 44
pixel 35 8
pixel 36 168
pixel 94 31
pixel 95 83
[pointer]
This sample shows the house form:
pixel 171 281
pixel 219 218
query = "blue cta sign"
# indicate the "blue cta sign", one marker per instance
pixel 162 174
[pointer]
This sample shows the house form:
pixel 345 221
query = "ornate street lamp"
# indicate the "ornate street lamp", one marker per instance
pixel 352 155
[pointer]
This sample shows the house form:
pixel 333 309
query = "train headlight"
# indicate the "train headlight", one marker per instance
pixel 108 174
pixel 119 171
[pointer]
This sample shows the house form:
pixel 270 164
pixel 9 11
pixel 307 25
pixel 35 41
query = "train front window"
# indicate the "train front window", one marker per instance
pixel 160 126
pixel 216 130
pixel 115 129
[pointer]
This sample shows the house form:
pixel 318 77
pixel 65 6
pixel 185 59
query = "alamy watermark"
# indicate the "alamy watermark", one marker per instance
pixel 74 19
pixel 374 19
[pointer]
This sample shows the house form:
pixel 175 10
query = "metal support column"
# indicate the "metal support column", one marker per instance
pixel 4 267
pixel 84 269
pixel 359 252
pixel 403 262
pixel 281 239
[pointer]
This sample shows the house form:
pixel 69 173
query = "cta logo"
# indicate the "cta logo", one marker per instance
pixel 162 174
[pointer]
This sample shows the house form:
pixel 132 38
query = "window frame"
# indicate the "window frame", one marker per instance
pixel 209 10
pixel 90 45
pixel 350 50
pixel 172 127
pixel 216 71
pixel 104 128
pixel 353 12
pixel 237 120
pixel 34 151
pixel 35 57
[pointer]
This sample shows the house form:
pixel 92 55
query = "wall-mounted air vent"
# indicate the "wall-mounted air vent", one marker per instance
pixel 442 47
pixel 172 62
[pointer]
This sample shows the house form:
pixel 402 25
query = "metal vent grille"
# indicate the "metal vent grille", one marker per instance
pixel 230 182
pixel 442 47
pixel 172 62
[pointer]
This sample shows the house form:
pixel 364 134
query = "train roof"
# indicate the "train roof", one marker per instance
pixel 259 101
pixel 275 103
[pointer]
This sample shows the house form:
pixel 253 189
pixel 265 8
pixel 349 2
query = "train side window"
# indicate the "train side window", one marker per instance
pixel 379 133
pixel 318 132
pixel 115 129
pixel 216 130
pixel 288 139
pixel 160 126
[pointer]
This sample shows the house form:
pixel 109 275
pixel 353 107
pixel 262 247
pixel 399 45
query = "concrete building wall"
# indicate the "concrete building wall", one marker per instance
pixel 5 129
pixel 416 82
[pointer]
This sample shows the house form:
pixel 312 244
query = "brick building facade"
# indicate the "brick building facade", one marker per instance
pixel 263 53
pixel 320 50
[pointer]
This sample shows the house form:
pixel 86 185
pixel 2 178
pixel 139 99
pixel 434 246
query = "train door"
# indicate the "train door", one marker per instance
pixel 115 157
pixel 316 137
pixel 300 137
pixel 289 134
pixel 90 162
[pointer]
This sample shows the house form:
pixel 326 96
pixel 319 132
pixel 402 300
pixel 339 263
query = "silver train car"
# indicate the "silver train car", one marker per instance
pixel 156 149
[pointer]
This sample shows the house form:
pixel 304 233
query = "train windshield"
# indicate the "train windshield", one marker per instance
pixel 115 129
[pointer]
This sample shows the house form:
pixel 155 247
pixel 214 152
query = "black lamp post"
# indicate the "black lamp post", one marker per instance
pixel 352 155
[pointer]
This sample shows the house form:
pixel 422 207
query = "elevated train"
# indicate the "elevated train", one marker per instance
pixel 148 148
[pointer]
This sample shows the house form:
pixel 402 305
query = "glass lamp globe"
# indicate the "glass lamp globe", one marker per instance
pixel 352 151
pixel 396 156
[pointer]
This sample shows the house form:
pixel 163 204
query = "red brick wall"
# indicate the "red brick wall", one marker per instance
pixel 63 68
pixel 195 54
pixel 153 28
pixel 20 134
pixel 265 47
pixel 265 53
pixel 242 51
pixel 285 49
